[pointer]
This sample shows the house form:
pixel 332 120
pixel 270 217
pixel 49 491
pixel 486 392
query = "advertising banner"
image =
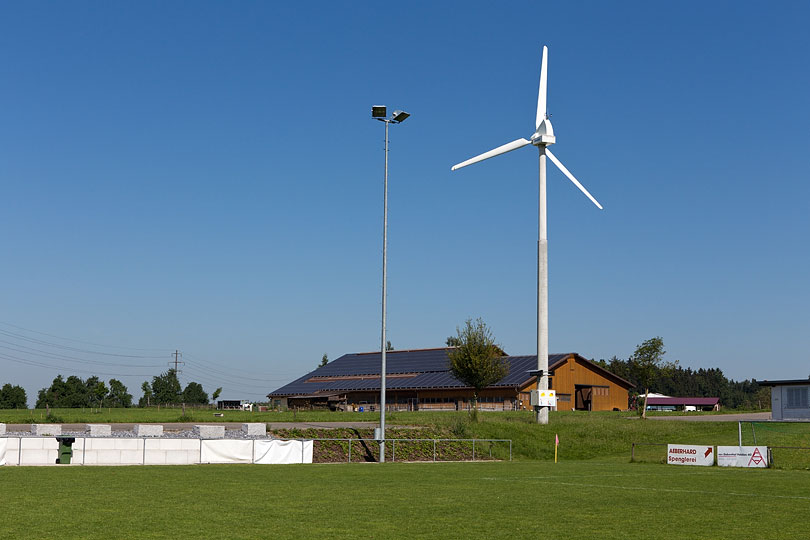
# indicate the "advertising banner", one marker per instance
pixel 742 456
pixel 690 454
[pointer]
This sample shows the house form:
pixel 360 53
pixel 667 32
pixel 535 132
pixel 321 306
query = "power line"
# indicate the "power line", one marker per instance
pixel 68 348
pixel 77 340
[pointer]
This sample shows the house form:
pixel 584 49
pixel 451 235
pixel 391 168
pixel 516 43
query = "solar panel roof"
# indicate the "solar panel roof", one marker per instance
pixel 425 368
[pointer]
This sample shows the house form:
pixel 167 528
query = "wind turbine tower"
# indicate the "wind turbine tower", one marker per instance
pixel 542 138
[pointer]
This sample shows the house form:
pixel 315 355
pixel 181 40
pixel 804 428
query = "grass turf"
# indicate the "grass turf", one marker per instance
pixel 583 499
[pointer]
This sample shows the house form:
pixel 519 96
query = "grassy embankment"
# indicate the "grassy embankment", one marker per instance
pixel 398 500
pixel 583 436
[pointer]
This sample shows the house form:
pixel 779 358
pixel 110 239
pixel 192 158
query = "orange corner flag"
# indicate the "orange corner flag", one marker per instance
pixel 556 444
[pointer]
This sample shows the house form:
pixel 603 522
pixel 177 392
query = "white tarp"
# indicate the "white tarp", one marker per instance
pixel 226 451
pixel 276 452
pixel 3 446
pixel 742 456
pixel 690 454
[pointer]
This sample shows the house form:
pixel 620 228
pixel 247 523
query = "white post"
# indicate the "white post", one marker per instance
pixel 542 288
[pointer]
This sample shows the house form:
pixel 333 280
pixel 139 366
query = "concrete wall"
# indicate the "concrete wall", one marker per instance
pixel 151 451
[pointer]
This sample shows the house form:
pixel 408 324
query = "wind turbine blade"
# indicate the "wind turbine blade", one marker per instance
pixel 508 147
pixel 541 94
pixel 570 176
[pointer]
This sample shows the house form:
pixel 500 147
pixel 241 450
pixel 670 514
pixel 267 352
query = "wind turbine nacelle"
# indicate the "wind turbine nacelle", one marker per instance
pixel 544 134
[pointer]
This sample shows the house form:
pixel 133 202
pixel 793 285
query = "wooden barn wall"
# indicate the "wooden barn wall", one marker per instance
pixel 606 394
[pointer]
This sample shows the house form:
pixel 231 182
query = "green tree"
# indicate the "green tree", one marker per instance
pixel 452 341
pixel 166 387
pixel 216 394
pixel 98 393
pixel 648 363
pixel 477 360
pixel 13 397
pixel 324 360
pixel 194 394
pixel 118 396
pixel 148 396
pixel 388 346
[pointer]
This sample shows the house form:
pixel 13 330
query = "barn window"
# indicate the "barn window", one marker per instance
pixel 797 398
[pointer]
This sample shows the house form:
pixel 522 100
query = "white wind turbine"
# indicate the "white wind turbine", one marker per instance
pixel 543 137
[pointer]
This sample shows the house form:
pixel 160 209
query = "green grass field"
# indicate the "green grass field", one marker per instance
pixel 583 499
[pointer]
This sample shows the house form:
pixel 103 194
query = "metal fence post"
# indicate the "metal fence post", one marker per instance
pixel 393 449
pixel 473 449
pixel 632 452
pixel 350 450
pixel 434 450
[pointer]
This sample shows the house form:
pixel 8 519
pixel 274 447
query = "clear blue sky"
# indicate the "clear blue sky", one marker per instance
pixel 205 176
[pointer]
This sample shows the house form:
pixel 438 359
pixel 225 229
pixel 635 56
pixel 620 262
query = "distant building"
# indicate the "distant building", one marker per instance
pixel 421 380
pixel 234 404
pixel 658 402
pixel 790 399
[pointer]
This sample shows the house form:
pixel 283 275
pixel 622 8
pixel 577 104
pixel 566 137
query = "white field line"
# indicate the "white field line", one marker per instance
pixel 555 480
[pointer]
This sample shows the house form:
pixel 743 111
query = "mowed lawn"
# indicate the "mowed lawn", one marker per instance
pixel 582 499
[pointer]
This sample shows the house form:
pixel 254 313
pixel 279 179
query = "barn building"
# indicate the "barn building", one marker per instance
pixel 790 399
pixel 421 380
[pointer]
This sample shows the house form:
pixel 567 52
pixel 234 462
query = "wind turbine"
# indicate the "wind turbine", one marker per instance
pixel 543 138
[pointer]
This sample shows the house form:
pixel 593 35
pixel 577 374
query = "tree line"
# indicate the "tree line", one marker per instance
pixel 166 389
pixel 75 392
pixel 674 380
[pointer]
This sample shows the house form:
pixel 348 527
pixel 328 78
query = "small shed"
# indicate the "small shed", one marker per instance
pixel 790 399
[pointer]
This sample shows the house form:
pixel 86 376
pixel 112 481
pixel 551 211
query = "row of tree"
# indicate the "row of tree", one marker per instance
pixel 648 371
pixel 93 392
pixel 166 389
pixel 13 397
pixel 77 392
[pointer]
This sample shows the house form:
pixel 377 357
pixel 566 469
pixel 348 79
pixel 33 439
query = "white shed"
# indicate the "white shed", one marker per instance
pixel 790 400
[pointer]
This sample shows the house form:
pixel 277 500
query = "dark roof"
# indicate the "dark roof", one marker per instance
pixel 701 401
pixel 407 370
pixel 789 382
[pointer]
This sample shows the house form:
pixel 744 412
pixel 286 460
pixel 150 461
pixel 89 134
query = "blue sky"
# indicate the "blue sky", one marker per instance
pixel 206 177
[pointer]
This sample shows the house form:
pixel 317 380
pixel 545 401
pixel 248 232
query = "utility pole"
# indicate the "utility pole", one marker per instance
pixel 177 355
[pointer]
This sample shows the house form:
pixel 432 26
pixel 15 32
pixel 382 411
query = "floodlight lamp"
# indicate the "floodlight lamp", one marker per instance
pixel 399 116
pixel 378 111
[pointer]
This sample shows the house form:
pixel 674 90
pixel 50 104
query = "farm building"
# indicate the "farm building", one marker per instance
pixel 421 380
pixel 790 400
pixel 667 403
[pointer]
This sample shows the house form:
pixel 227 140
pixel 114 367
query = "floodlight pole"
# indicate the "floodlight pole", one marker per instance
pixel 396 118
pixel 384 290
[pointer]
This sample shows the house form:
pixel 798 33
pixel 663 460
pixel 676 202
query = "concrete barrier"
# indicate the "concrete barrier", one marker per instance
pixel 2 429
pixel 209 432
pixel 149 430
pixel 98 430
pixel 43 430
pixel 38 450
pixel 254 429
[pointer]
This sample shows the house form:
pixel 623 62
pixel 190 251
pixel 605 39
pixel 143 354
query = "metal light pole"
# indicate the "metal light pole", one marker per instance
pixel 379 112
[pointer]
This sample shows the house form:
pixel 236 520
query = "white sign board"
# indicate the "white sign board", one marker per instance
pixel 742 456
pixel 544 398
pixel 690 454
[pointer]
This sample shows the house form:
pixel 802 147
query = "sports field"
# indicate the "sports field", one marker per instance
pixel 582 499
